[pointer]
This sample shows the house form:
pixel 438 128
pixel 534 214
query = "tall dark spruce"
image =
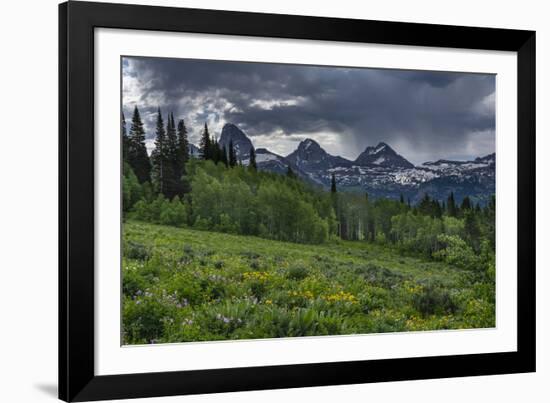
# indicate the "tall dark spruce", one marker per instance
pixel 137 152
pixel 206 144
pixel 182 158
pixel 451 205
pixel 171 177
pixel 252 163
pixel 160 156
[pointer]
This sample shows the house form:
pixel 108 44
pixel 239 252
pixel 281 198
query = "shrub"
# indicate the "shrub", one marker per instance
pixel 137 251
pixel 456 252
pixel 432 300
pixel 297 273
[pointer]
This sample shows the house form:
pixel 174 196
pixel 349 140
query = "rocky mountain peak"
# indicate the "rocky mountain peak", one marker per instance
pixel 241 142
pixel 382 155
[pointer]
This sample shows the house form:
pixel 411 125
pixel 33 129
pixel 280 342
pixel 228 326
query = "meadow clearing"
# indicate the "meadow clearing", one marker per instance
pixel 182 284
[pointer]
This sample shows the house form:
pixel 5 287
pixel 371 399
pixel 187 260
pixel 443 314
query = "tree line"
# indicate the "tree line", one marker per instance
pixel 165 170
pixel 217 192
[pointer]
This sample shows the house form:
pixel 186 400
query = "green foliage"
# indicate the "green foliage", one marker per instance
pixel 456 252
pixel 297 273
pixel 182 285
pixel 162 211
pixel 132 191
pixel 136 152
pixel 432 300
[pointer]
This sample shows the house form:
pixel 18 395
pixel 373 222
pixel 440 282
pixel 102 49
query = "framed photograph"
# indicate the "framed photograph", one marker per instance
pixel 257 201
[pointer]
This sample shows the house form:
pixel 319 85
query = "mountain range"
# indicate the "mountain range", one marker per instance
pixel 380 171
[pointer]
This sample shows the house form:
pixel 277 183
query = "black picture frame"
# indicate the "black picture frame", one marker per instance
pixel 77 21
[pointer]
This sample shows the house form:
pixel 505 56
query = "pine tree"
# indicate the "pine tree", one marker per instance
pixel 436 209
pixel 159 156
pixel 171 160
pixel 206 144
pixel 183 144
pixel 333 184
pixel 232 155
pixel 252 163
pixel 182 158
pixel 466 204
pixel 451 206
pixel 401 199
pixel 137 152
pixel 215 151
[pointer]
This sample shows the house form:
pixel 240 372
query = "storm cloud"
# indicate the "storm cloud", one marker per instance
pixel 423 115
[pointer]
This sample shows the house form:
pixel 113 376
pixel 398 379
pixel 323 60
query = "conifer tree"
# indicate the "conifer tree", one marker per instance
pixel 159 156
pixel 252 163
pixel 466 204
pixel 333 184
pixel 183 144
pixel 425 205
pixel 206 144
pixel 451 206
pixel 182 159
pixel 401 199
pixel 215 151
pixel 137 152
pixel 171 161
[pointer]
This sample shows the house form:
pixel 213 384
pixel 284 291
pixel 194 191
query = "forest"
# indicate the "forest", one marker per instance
pixel 216 193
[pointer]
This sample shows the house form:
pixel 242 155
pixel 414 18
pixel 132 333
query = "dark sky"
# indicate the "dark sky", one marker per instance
pixel 423 115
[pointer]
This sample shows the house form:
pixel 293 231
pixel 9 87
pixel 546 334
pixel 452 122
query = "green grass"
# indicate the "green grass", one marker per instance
pixel 186 285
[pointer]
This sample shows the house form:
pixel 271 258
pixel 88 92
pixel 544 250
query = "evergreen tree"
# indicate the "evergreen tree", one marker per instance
pixel 206 144
pixel 183 145
pixel 401 199
pixel 137 152
pixel 216 151
pixel 232 155
pixel 172 177
pixel 451 206
pixel 466 204
pixel 252 163
pixel 160 156
pixel 333 184
pixel 182 157
pixel 425 206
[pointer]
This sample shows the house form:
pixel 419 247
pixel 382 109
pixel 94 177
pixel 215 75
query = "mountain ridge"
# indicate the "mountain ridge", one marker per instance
pixel 378 170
